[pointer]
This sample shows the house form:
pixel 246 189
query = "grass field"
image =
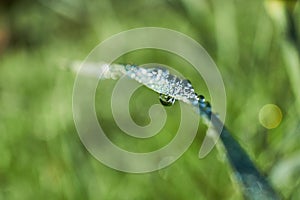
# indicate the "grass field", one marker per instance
pixel 255 45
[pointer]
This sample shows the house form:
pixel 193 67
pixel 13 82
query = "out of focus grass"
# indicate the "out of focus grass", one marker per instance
pixel 41 155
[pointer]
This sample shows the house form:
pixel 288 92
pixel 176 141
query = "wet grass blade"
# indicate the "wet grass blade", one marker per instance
pixel 255 185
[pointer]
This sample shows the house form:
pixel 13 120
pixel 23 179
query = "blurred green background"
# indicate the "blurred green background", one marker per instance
pixel 254 43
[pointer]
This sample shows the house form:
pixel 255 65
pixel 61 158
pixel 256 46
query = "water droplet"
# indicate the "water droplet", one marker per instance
pixel 166 100
pixel 201 98
pixel 187 81
pixel 208 105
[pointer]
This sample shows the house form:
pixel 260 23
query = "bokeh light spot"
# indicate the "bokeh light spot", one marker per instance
pixel 270 116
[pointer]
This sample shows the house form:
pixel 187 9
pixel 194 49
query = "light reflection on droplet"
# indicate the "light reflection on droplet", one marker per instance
pixel 166 100
pixel 270 116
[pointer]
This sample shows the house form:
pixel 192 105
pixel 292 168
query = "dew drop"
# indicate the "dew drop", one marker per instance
pixel 166 100
pixel 208 104
pixel 187 81
pixel 201 98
